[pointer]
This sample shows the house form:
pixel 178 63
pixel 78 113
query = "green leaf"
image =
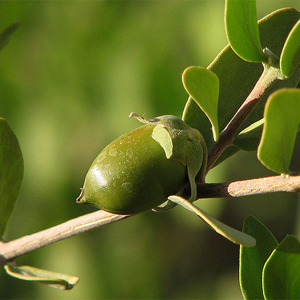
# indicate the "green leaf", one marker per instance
pixel 249 138
pixel 290 55
pixel 252 259
pixel 281 276
pixel 229 151
pixel 52 279
pixel 237 78
pixel 242 30
pixel 11 172
pixel 282 118
pixel 203 86
pixel 7 33
pixel 229 233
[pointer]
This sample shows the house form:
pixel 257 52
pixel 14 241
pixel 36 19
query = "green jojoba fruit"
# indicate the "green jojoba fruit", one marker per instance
pixel 141 169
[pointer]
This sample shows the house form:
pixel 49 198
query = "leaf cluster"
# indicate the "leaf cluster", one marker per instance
pixel 269 270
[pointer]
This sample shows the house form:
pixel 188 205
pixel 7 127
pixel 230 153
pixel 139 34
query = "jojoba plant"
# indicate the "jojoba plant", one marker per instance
pixel 164 162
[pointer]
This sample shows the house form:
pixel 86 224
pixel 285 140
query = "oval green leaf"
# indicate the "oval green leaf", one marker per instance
pixel 281 276
pixel 52 279
pixel 290 56
pixel 252 259
pixel 11 172
pixel 242 30
pixel 282 118
pixel 203 86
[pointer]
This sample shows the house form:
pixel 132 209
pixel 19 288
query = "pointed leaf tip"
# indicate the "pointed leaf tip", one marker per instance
pixel 228 232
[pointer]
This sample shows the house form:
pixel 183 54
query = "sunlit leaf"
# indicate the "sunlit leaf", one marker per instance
pixel 281 276
pixel 229 233
pixel 282 118
pixel 237 78
pixel 52 279
pixel 7 33
pixel 290 56
pixel 203 86
pixel 11 172
pixel 242 30
pixel 252 259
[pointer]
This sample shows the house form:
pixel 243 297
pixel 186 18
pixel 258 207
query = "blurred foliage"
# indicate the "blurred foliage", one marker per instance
pixel 69 77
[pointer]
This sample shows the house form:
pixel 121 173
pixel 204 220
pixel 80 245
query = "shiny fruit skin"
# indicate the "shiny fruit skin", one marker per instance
pixel 132 175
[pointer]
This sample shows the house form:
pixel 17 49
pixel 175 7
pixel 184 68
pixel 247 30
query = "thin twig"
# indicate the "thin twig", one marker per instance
pixel 26 244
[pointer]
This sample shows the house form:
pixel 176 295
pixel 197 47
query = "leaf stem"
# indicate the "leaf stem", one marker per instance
pixel 269 76
pixel 11 250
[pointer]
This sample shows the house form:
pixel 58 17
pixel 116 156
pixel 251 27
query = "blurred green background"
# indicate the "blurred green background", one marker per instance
pixel 69 78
